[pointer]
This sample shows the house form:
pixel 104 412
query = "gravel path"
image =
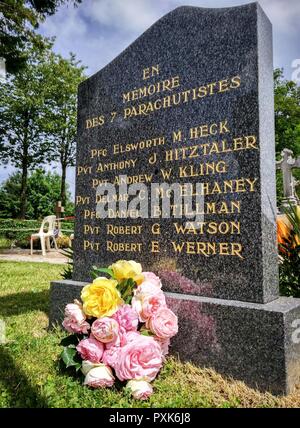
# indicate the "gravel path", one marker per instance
pixel 20 255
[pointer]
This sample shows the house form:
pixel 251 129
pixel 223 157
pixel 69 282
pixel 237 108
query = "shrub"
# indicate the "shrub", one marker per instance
pixel 67 272
pixel 63 241
pixel 43 191
pixel 288 229
pixel 5 243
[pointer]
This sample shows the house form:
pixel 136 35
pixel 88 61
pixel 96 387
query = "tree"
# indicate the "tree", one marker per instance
pixel 19 19
pixel 287 121
pixel 24 139
pixel 287 114
pixel 10 197
pixel 43 193
pixel 66 74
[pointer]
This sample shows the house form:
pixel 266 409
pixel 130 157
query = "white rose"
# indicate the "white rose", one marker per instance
pixel 140 389
pixel 88 365
pixel 99 377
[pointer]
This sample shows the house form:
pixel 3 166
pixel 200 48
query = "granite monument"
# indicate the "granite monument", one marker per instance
pixel 176 169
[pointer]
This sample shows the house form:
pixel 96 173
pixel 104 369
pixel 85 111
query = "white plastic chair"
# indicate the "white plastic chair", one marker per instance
pixel 44 237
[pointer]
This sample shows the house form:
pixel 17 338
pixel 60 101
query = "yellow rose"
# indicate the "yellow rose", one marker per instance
pixel 101 298
pixel 124 269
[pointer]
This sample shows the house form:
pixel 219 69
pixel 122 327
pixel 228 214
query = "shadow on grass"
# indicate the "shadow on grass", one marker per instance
pixel 20 393
pixel 23 302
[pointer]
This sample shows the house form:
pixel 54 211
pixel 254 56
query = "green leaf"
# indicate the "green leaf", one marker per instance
pixel 77 366
pixel 145 332
pixel 96 271
pixel 68 356
pixel 70 340
pixel 125 288
pixel 128 300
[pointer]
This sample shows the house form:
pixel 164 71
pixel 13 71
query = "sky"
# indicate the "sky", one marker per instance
pixel 98 30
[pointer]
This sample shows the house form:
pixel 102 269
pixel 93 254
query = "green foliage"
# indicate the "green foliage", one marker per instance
pixel 18 21
pixel 70 357
pixel 66 75
pixel 289 273
pixel 287 114
pixel 126 288
pixel 10 197
pixel 38 110
pixel 43 191
pixel 5 243
pixel 23 241
pixel 287 120
pixel 67 272
pixel 289 267
pixel 98 271
pixel 279 187
pixel 293 214
pixel 19 231
pixel 24 139
pixel 23 106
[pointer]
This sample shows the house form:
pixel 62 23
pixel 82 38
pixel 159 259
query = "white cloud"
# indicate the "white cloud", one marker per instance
pixel 98 30
pixel 125 16
pixel 65 24
pixel 284 15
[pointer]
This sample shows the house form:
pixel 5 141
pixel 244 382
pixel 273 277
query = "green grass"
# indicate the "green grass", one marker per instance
pixel 30 375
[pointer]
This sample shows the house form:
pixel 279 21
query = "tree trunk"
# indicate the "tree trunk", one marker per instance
pixel 23 196
pixel 63 184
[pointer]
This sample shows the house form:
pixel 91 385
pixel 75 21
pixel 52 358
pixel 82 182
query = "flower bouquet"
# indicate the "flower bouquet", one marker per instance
pixel 122 329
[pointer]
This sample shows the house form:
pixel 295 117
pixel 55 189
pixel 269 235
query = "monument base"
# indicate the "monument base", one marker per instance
pixel 256 343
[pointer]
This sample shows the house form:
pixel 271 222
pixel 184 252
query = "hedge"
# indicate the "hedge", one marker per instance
pixel 21 229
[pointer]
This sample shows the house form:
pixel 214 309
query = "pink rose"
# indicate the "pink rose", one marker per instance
pixel 140 389
pixel 140 358
pixel 127 318
pixel 110 356
pixel 90 349
pixel 99 377
pixel 151 277
pixel 163 323
pixel 112 347
pixel 128 337
pixel 147 300
pixel 75 319
pixel 105 329
pixel 164 344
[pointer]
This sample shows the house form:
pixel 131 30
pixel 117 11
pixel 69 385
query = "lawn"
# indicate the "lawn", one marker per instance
pixel 30 375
